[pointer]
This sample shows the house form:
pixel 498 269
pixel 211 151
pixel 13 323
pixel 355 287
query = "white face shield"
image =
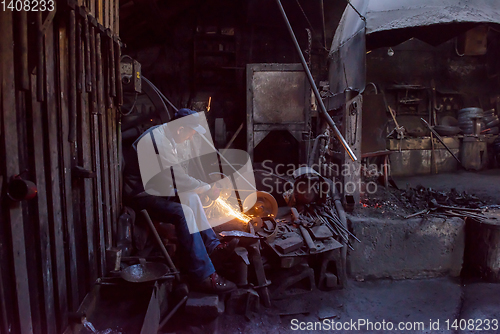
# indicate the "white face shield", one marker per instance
pixel 162 174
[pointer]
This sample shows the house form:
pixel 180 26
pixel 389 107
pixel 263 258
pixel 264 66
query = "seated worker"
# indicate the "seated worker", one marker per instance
pixel 197 241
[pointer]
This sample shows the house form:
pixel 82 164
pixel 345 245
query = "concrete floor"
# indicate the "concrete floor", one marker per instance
pixel 413 301
pixel 410 302
pixel 404 301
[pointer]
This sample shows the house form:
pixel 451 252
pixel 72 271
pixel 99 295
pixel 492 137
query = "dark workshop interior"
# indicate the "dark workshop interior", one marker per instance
pixel 369 131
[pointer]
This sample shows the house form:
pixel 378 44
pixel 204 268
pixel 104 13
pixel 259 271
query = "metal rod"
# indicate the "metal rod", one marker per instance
pixel 227 162
pixel 423 212
pixel 160 243
pixel 440 139
pixel 233 138
pixel 171 313
pixel 327 117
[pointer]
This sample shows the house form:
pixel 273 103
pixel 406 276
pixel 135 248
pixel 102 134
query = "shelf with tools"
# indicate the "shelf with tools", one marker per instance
pixel 214 56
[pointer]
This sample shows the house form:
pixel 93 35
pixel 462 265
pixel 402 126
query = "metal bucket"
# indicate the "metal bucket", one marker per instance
pixel 144 272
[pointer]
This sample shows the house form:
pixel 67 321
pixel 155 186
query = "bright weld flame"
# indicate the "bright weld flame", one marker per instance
pixel 231 211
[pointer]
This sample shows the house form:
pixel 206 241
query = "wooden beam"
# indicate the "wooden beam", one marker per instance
pixel 104 162
pixel 72 76
pixel 67 90
pixel 43 229
pixel 54 180
pixel 22 46
pixel 10 166
pixel 85 161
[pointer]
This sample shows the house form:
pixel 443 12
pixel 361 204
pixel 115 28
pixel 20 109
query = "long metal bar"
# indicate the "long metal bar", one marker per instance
pixel 160 243
pixel 327 117
pixel 440 139
pixel 227 162
pixel 171 313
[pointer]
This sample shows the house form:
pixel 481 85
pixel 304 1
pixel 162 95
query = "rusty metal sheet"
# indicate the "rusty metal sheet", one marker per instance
pixel 421 143
pixel 373 134
pixel 278 97
pixel 399 14
pixel 417 162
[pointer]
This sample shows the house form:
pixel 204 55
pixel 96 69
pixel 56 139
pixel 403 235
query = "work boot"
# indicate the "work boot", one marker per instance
pixel 222 252
pixel 214 284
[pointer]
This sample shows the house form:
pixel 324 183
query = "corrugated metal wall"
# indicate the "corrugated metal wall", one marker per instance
pixel 59 128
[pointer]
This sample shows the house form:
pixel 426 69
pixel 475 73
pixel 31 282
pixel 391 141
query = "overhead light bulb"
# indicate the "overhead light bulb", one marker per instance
pixel 390 52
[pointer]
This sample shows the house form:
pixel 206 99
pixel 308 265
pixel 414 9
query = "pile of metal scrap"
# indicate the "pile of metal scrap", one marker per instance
pixel 302 236
pixel 324 215
pixel 420 197
pixel 445 211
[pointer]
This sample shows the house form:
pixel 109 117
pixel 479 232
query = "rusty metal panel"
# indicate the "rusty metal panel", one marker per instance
pixel 415 162
pixel 423 143
pixel 375 119
pixel 278 97
pixel 352 125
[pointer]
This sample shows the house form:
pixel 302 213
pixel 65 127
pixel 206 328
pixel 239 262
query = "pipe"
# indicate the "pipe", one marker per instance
pixel 315 147
pixel 327 117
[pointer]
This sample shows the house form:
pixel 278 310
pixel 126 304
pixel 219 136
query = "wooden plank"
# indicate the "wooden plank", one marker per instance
pixel 92 7
pixel 77 183
pixel 116 17
pixel 104 184
pixel 22 50
pixel 106 47
pixel 79 60
pixel 28 208
pixel 10 166
pixel 3 294
pixel 43 230
pixel 108 141
pixel 72 76
pixel 40 57
pixel 97 188
pixel 114 169
pixel 54 182
pixel 88 269
pixel 65 148
pixel 88 73
pixel 100 11
pixel 96 152
pixel 93 75
pixel 110 4
pixel 112 64
pixel 118 80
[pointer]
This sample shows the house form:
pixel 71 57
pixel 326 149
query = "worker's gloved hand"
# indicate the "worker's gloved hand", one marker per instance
pixel 213 193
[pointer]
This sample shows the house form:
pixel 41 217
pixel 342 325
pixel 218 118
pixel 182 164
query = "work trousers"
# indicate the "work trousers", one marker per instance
pixel 195 241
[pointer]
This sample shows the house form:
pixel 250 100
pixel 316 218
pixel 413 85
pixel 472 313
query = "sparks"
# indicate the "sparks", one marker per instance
pixel 231 211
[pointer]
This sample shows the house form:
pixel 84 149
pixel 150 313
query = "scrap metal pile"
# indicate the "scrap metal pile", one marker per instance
pixel 422 201
pixel 444 204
